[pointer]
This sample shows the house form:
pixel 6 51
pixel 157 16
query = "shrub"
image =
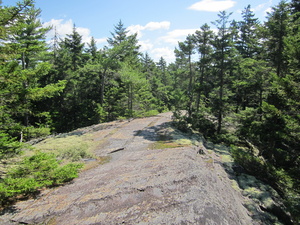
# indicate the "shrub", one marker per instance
pixel 34 172
pixel 8 146
pixel 150 113
pixel 68 148
pixel 250 162
pixel 203 124
pixel 65 173
pixel 36 132
pixel 75 153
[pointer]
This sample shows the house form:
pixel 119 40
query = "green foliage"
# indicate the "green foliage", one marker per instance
pixel 75 153
pixel 36 132
pixel 150 113
pixel 204 124
pixel 245 157
pixel 34 172
pixel 247 93
pixel 243 90
pixel 8 146
pixel 69 147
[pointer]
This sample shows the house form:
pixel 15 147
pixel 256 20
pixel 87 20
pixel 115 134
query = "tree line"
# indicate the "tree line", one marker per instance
pixel 243 88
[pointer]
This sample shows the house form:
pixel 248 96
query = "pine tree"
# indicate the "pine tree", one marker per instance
pixel 277 29
pixel 92 49
pixel 119 35
pixel 203 40
pixel 222 50
pixel 73 43
pixel 127 44
pixel 148 66
pixel 247 44
pixel 186 48
pixel 9 127
pixel 70 58
pixel 28 39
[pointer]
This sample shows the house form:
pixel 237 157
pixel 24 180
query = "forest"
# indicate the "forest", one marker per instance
pixel 240 86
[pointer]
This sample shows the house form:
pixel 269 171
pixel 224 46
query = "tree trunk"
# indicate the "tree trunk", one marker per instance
pixel 220 111
pixel 102 82
pixel 190 88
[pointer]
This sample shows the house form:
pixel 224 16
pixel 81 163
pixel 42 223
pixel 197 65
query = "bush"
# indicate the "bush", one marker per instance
pixel 34 172
pixel 75 153
pixel 150 113
pixel 204 125
pixel 244 157
pixel 8 146
pixel 65 173
pixel 180 121
pixel 36 132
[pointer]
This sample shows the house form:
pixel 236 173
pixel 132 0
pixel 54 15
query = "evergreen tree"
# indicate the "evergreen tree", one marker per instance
pixel 70 59
pixel 73 43
pixel 162 67
pixel 148 66
pixel 92 49
pixel 128 43
pixel 9 19
pixel 222 51
pixel 247 44
pixel 203 40
pixel 277 29
pixel 27 91
pixel 119 35
pixel 162 84
pixel 186 50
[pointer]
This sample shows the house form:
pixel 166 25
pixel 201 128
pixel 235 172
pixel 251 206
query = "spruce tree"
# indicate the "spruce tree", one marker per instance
pixel 92 49
pixel 127 45
pixel 278 25
pixel 247 43
pixel 73 43
pixel 119 35
pixel 222 51
pixel 28 39
pixel 187 48
pixel 203 41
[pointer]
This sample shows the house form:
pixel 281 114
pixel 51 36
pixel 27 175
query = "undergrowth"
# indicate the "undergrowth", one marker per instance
pixel 49 163
pixel 33 173
pixel 245 154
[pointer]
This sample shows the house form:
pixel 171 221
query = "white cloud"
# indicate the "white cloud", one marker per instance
pixel 145 45
pixel 86 34
pixel 158 25
pixel 166 53
pixel 268 10
pixel 100 40
pixel 259 7
pixel 149 26
pixel 212 5
pixel 135 29
pixel 62 28
pixel 264 8
pixel 174 36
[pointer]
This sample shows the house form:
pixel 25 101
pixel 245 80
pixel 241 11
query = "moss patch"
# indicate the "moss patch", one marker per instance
pixel 227 159
pixel 70 148
pixel 166 144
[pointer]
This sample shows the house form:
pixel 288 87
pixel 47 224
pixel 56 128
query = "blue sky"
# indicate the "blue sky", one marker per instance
pixel 160 24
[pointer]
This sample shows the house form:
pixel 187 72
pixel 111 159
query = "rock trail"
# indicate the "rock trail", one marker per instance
pixel 141 185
